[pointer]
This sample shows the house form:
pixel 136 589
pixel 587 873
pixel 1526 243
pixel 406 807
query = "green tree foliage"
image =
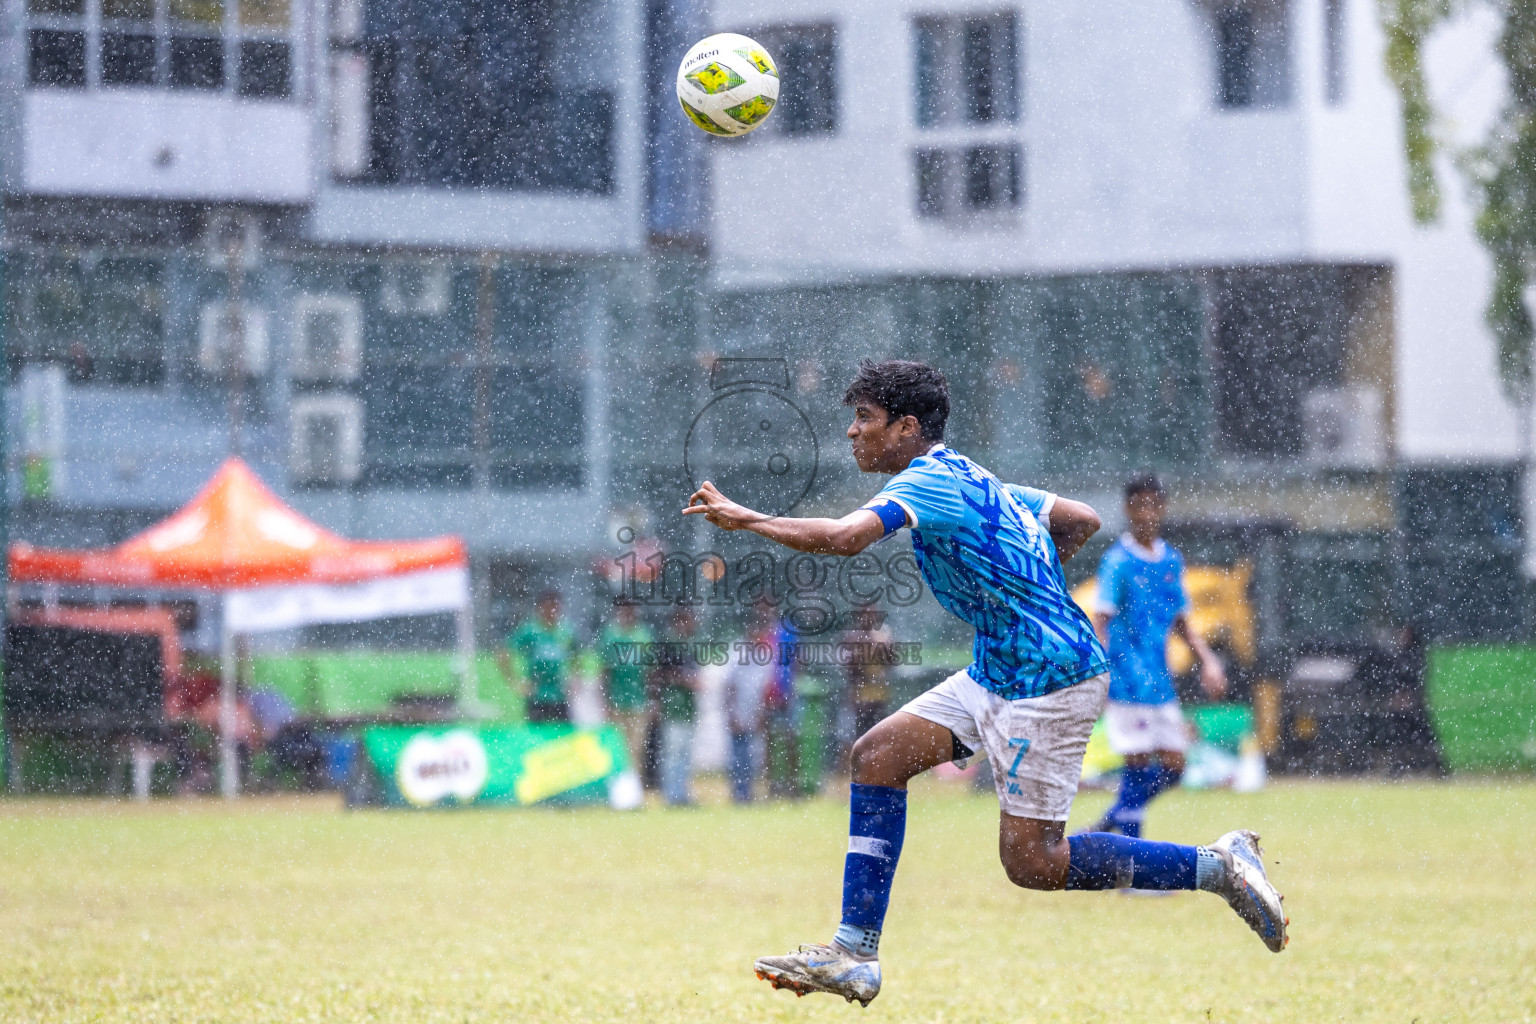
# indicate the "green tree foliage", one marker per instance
pixel 1407 23
pixel 1502 169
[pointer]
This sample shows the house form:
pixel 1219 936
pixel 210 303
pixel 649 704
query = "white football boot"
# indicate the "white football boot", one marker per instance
pixel 822 968
pixel 1248 890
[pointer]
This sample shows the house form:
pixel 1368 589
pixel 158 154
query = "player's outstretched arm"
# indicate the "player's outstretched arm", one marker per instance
pixel 846 536
pixel 1072 523
pixel 1213 677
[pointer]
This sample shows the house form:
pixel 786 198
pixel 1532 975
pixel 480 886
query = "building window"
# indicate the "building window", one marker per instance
pixel 1335 46
pixel 1120 360
pixel 100 316
pixel 127 58
pixel 1253 53
pixel 967 70
pixel 58 58
pixel 1280 345
pixel 477 94
pixel 968 181
pixel 807 58
pixel 239 46
pixel 447 407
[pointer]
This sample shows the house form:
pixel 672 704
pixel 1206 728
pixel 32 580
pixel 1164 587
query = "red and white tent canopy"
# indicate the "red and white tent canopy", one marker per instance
pixel 278 568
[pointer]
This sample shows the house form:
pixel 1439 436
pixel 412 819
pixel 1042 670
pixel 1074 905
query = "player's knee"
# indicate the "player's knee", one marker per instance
pixel 868 756
pixel 1031 870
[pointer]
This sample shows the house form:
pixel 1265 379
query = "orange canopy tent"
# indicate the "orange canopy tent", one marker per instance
pixel 235 534
pixel 275 568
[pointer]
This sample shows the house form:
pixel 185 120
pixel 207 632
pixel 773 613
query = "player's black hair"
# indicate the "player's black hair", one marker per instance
pixel 904 388
pixel 1144 483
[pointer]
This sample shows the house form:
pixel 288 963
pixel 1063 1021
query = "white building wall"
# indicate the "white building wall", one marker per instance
pixel 158 144
pixel 1131 164
pixel 1452 407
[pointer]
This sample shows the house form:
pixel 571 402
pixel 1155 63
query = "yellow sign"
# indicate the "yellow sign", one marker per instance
pixel 1219 612
pixel 561 765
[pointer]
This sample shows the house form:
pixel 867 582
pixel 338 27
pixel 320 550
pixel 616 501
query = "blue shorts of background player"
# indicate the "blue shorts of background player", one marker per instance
pixel 991 554
pixel 1141 599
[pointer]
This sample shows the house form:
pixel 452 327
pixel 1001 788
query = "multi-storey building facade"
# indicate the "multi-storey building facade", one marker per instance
pixel 460 259
pixel 419 223
pixel 1171 235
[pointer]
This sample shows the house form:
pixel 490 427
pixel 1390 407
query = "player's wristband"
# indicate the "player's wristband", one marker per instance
pixel 892 516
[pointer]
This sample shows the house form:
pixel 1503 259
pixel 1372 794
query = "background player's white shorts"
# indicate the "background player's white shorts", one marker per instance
pixel 1035 744
pixel 1143 728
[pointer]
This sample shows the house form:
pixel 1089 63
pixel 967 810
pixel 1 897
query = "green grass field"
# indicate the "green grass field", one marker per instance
pixel 1409 901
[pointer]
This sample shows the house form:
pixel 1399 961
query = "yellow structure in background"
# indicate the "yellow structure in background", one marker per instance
pixel 1219 610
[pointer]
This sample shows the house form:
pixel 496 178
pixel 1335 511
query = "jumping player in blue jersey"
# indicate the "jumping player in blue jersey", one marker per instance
pixel 1141 599
pixel 991 553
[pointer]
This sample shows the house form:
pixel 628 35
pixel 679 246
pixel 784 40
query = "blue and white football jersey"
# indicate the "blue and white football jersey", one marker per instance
pixel 1144 592
pixel 989 560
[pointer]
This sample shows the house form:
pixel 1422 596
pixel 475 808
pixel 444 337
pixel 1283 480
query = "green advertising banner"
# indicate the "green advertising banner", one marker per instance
pixel 1483 703
pixel 460 765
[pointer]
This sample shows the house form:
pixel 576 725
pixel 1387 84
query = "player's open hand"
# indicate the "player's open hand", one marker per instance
pixel 1213 678
pixel 718 509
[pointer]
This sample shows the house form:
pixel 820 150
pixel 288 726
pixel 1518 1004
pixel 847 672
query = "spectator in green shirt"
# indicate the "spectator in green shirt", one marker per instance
pixel 677 680
pixel 625 646
pixel 546 648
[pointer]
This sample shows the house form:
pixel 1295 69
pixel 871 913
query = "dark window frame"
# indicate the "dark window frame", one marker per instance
pixel 968 181
pixel 536 431
pixel 1335 51
pixel 968 69
pixel 1236 41
pixel 146 48
pixel 1253 54
pixel 123 58
pixel 56 58
pixel 809 59
pixel 100 313
pixel 482 83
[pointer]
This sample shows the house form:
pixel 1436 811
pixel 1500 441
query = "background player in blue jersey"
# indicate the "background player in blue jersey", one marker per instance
pixel 991 553
pixel 1141 599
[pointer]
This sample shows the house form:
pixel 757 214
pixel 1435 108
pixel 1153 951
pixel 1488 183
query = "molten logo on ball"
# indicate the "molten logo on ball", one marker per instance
pixel 727 84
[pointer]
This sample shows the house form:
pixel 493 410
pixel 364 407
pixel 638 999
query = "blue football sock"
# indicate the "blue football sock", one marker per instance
pixel 1166 779
pixel 1100 860
pixel 1137 786
pixel 877 823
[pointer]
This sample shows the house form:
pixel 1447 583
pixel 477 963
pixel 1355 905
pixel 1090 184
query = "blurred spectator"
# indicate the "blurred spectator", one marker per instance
pixel 189 691
pixel 677 681
pixel 1408 733
pixel 745 680
pixel 868 642
pixel 781 719
pixel 624 644
pixel 272 711
pixel 546 648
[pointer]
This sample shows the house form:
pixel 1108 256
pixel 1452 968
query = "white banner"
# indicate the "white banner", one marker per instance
pixel 417 593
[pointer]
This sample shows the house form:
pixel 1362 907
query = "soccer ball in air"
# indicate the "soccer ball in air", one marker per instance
pixel 727 84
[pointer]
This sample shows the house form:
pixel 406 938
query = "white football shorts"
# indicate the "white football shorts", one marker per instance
pixel 1143 728
pixel 1035 744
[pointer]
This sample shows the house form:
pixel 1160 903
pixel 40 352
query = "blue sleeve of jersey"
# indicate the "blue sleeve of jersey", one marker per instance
pixel 1111 581
pixel 1037 501
pixel 929 494
pixel 892 516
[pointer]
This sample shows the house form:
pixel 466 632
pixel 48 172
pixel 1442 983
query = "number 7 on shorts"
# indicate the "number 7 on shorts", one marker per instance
pixel 1023 745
